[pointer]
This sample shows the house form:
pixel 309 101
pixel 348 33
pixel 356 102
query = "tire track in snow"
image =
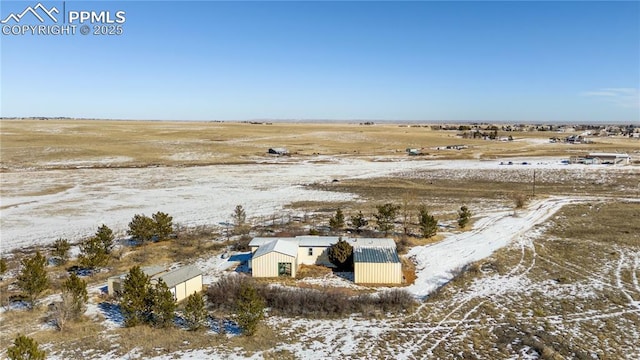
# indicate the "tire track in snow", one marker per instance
pixel 586 274
pixel 579 270
pixel 439 326
pixel 518 271
pixel 636 265
pixel 445 336
pixel 435 262
pixel 589 315
pixel 620 285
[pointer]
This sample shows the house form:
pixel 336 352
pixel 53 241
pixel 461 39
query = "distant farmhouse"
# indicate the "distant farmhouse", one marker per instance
pixel 375 260
pixel 278 151
pixel 602 159
pixel 182 282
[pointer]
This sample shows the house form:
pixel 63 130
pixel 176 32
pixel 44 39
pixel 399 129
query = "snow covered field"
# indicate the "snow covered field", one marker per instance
pixel 39 206
pixel 439 263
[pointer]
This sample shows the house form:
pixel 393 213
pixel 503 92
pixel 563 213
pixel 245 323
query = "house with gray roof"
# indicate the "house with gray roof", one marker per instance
pixel 376 260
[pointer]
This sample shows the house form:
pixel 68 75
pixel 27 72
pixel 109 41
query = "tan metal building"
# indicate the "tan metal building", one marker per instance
pixel 182 282
pixel 376 265
pixel 276 258
pixel 114 283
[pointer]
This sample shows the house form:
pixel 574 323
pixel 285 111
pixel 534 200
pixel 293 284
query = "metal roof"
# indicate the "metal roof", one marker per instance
pixel 259 241
pixel 316 241
pixel 153 270
pixel 372 243
pixel 615 155
pixel 150 271
pixel 177 276
pixel 325 241
pixel 283 246
pixel 375 255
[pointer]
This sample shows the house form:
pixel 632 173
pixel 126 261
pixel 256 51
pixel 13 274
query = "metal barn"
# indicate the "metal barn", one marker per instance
pixel 277 258
pixel 182 282
pixel 376 265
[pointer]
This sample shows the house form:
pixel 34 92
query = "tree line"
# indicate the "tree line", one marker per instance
pixel 388 214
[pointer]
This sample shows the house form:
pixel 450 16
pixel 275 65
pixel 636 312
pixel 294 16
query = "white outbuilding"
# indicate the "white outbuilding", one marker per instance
pixel 275 258
pixel 376 265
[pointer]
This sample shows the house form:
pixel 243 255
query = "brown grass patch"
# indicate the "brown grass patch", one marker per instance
pixel 408 272
pixel 312 271
pixel 605 223
pixel 76 340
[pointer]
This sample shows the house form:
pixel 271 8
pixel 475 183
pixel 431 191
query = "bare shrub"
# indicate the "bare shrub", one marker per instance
pixel 224 293
pixel 403 244
pixel 331 304
pixel 395 300
pixel 242 244
pixel 519 200
pixel 305 302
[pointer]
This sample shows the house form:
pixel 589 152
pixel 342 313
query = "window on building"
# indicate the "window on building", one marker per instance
pixel 310 251
pixel 284 269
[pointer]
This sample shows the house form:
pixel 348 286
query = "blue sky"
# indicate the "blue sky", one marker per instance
pixel 178 60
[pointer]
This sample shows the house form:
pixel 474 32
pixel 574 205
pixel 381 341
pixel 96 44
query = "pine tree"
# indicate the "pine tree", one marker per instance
pixel 386 217
pixel 105 238
pixel 33 278
pixel 93 254
pixel 249 309
pixel 60 251
pixel 336 223
pixel 76 289
pixel 428 224
pixel 359 221
pixel 464 215
pixel 142 228
pixel 239 217
pixel 135 297
pixel 3 266
pixel 195 312
pixel 74 301
pixel 163 225
pixel 341 255
pixel 405 213
pixel 4 287
pixel 162 305
pixel 25 348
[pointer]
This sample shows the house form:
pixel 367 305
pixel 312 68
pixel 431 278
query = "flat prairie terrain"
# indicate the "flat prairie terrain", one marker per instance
pixel 55 144
pixel 556 278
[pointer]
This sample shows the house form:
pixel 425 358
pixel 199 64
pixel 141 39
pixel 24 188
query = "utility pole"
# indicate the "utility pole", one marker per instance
pixel 534 182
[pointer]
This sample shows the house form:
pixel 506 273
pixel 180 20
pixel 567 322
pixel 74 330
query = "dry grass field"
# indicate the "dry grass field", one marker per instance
pixel 99 143
pixel 566 289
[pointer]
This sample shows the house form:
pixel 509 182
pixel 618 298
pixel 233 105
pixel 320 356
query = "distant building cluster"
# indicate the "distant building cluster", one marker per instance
pixel 485 129
pixel 601 159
